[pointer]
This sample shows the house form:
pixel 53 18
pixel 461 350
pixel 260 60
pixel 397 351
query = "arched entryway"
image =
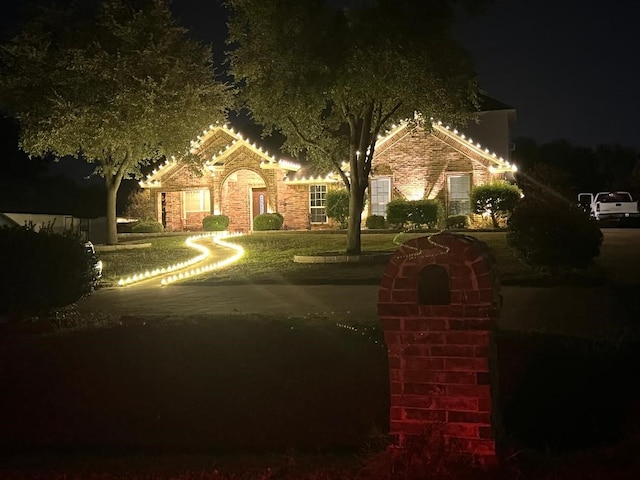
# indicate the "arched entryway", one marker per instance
pixel 244 196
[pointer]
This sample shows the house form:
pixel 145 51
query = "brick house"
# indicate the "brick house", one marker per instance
pixel 241 180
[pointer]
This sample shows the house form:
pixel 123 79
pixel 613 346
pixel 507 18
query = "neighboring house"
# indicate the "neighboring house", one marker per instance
pixel 241 180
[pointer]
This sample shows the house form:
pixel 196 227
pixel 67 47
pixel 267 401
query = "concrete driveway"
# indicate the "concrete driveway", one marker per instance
pixel 574 311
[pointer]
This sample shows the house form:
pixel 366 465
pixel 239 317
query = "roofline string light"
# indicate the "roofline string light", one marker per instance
pixel 150 181
pixel 190 242
pixel 503 165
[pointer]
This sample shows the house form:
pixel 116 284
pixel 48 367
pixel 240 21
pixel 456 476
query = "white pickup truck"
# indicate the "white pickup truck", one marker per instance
pixel 607 206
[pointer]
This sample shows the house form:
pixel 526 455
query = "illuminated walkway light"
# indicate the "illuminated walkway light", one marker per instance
pixel 177 270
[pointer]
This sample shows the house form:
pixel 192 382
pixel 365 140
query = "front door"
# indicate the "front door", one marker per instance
pixel 258 203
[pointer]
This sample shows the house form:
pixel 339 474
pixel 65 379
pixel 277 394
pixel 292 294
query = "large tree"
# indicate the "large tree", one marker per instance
pixel 117 83
pixel 333 75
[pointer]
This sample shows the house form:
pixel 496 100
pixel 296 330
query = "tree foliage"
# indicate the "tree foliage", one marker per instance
pixel 119 85
pixel 338 206
pixel 559 169
pixel 140 205
pixel 332 80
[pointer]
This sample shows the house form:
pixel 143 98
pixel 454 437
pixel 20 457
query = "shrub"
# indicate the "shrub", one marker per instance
pixel 553 235
pixel 215 223
pixel 418 213
pixel 457 221
pixel 267 221
pixel 376 222
pixel 496 199
pixel 140 205
pixel 398 213
pixel 425 213
pixel 147 226
pixel 338 206
pixel 42 270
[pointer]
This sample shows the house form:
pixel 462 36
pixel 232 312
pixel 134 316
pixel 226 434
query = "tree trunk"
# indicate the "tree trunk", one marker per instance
pixel 494 220
pixel 112 185
pixel 354 226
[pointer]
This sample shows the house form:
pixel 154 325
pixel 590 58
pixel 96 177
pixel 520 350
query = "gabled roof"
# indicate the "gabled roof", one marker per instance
pixel 215 146
pixel 451 136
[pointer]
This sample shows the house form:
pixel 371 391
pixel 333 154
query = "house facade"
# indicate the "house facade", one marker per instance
pixel 241 180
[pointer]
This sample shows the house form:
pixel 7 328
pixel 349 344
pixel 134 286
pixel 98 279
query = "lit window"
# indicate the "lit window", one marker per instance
pixel 459 201
pixel 196 201
pixel 380 195
pixel 318 203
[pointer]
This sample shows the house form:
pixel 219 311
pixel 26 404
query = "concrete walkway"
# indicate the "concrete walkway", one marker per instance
pixel 571 311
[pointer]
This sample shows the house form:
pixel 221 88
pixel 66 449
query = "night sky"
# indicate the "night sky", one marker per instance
pixel 567 66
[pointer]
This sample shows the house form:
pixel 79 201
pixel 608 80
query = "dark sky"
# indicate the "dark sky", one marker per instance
pixel 567 66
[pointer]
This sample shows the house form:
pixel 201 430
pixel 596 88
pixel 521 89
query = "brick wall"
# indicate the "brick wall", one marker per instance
pixel 294 206
pixel 419 165
pixel 440 351
pixel 236 198
pixel 173 207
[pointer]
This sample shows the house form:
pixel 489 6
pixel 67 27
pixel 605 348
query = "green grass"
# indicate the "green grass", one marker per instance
pixel 269 259
pixel 164 251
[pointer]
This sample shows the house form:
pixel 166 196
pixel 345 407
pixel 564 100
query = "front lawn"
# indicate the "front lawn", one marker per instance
pixel 269 259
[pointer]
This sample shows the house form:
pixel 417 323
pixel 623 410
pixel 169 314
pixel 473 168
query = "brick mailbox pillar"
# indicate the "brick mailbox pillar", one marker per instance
pixel 438 302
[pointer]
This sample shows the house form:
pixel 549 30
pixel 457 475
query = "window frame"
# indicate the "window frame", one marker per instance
pixel 204 201
pixel 450 200
pixel 371 195
pixel 322 208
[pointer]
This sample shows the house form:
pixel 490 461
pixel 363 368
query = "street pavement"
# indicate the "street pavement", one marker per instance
pixel 567 310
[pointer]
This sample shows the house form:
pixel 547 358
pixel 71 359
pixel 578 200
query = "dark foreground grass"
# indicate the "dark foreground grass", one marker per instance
pixel 299 398
pixel 234 383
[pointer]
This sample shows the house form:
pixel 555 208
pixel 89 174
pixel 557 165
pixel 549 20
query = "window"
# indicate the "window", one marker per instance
pixel 318 203
pixel 196 201
pixel 380 195
pixel 459 188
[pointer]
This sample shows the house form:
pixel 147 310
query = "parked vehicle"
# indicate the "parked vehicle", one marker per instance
pixel 610 206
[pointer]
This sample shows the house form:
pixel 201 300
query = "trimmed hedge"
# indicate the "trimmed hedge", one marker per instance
pixel 457 221
pixel 398 213
pixel 42 270
pixel 215 223
pixel 376 222
pixel 147 226
pixel 416 213
pixel 268 221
